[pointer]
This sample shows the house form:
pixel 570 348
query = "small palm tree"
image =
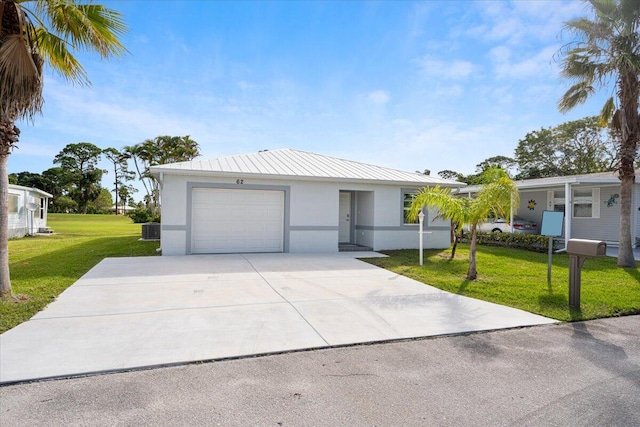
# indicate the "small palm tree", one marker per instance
pixel 608 49
pixel 34 33
pixel 495 198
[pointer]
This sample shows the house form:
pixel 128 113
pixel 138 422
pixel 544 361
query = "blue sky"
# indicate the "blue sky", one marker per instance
pixel 407 85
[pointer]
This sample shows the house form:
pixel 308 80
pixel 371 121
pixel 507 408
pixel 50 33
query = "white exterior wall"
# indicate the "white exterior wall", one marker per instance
pixel 311 218
pixel 24 222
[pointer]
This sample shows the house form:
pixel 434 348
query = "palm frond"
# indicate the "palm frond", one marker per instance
pixel 606 114
pixel 56 52
pixel 496 198
pixel 21 79
pixel 577 94
pixel 88 26
pixel 436 197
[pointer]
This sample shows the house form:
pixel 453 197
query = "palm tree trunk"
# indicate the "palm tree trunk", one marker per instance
pixel 629 124
pixel 625 251
pixel 9 134
pixel 472 273
pixel 5 278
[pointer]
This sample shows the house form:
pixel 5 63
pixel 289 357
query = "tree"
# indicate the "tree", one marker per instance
pixel 51 32
pixel 572 148
pixel 486 171
pixel 101 204
pixel 502 162
pixel 81 162
pixel 126 199
pixel 121 172
pixel 607 48
pixel 452 175
pixel 56 181
pixel 158 151
pixel 494 199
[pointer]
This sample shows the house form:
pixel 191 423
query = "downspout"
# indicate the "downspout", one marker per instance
pixel 568 202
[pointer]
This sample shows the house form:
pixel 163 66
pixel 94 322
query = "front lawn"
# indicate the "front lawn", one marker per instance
pixel 44 266
pixel 518 278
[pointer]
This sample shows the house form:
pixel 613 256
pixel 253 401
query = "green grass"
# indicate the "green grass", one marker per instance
pixel 44 266
pixel 518 278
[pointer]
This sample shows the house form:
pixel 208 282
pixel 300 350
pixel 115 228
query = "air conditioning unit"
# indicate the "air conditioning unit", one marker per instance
pixel 151 231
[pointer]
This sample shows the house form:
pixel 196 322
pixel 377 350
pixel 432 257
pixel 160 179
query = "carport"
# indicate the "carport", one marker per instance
pixel 129 313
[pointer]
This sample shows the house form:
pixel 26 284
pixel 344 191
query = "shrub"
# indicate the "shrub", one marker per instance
pixel 142 215
pixel 530 242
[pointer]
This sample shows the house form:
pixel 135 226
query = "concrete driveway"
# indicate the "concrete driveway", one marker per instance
pixel 130 313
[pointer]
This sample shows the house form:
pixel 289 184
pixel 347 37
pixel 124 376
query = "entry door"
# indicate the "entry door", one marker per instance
pixel 344 223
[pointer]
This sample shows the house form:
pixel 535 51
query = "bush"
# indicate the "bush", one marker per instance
pixel 530 242
pixel 142 215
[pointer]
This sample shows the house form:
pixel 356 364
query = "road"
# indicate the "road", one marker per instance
pixel 585 373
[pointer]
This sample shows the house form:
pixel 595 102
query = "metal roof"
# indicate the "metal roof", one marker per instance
pixel 296 164
pixel 601 178
pixel 32 189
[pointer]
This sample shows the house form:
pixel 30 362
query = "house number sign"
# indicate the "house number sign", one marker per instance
pixel 239 181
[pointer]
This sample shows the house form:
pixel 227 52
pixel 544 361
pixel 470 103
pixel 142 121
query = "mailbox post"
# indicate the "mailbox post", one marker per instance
pixel 579 250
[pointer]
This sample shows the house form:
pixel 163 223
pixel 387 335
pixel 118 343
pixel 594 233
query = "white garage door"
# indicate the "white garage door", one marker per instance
pixel 227 221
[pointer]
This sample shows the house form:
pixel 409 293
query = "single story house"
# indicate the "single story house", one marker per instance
pixel 590 202
pixel 27 210
pixel 290 201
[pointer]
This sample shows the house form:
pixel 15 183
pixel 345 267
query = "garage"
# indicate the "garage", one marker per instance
pixel 235 221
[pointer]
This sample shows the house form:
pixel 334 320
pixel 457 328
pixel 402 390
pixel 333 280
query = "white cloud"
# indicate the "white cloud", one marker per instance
pixel 453 70
pixel 379 96
pixel 537 65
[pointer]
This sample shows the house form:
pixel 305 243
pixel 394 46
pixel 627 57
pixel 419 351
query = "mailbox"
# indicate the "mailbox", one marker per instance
pixel 579 250
pixel 586 248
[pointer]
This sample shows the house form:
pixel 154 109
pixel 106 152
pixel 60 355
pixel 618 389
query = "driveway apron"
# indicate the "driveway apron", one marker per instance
pixel 129 313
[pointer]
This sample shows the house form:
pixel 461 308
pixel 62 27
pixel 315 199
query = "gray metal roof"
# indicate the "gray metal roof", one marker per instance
pixel 601 178
pixel 296 164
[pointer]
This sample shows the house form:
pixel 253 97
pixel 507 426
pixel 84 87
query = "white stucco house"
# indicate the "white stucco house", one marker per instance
pixel 27 210
pixel 590 202
pixel 290 201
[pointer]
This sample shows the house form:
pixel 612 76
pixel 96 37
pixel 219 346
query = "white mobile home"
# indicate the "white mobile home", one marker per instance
pixel 590 202
pixel 27 210
pixel 290 201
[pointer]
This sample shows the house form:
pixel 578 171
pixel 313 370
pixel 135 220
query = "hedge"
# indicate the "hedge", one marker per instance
pixel 530 242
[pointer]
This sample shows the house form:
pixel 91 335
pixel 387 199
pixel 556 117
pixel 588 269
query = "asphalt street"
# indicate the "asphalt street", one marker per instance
pixel 583 373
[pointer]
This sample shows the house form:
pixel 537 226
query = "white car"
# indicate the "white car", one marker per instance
pixel 501 225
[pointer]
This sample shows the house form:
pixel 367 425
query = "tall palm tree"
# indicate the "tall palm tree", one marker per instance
pixel 495 198
pixel 607 48
pixel 34 33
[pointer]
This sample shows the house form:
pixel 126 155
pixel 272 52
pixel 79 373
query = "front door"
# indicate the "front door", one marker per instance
pixel 344 223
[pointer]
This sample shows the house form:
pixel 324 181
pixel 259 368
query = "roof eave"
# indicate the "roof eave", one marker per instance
pixel 157 170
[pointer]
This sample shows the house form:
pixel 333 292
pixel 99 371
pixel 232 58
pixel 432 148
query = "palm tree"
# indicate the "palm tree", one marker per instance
pixel 495 198
pixel 608 49
pixel 33 33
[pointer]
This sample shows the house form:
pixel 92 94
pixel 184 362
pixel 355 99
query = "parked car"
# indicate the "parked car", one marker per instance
pixel 501 225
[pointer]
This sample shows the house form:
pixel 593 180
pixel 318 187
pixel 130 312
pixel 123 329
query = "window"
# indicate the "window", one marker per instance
pixel 13 203
pixel 407 199
pixel 583 203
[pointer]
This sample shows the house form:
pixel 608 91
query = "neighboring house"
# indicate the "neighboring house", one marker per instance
pixel 290 201
pixel 27 210
pixel 591 204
